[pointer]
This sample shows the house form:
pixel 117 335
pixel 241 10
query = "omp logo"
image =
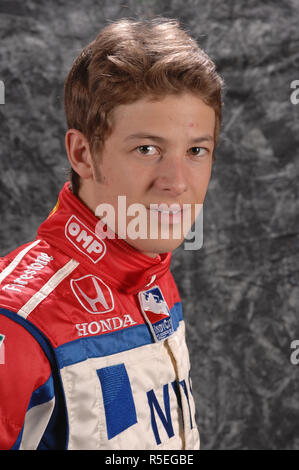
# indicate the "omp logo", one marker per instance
pixel 93 294
pixel 84 239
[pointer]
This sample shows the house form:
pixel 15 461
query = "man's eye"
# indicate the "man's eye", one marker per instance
pixel 147 149
pixel 198 151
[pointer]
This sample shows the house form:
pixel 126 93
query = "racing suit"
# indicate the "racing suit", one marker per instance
pixel 92 341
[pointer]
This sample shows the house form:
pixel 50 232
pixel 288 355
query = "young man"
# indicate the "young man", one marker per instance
pixel 95 352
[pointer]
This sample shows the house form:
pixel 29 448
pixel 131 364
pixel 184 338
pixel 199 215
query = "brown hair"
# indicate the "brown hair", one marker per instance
pixel 130 59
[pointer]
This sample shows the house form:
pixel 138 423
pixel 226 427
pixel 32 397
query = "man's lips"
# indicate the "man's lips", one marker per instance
pixel 169 212
pixel 166 211
pixel 169 208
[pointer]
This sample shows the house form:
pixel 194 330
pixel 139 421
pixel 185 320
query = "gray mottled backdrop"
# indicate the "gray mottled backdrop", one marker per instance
pixel 241 290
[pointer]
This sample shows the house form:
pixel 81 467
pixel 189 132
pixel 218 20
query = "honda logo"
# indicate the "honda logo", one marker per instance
pixel 93 294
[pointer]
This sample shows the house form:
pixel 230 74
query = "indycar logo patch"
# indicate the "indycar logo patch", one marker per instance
pixel 156 313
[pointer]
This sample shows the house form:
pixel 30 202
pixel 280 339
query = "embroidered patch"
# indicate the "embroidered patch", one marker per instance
pixel 118 399
pixel 156 313
pixel 84 239
pixel 93 294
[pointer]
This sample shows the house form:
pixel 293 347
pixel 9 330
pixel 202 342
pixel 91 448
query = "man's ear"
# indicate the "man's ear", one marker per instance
pixel 78 153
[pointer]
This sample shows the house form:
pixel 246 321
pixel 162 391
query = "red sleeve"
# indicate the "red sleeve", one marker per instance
pixel 23 368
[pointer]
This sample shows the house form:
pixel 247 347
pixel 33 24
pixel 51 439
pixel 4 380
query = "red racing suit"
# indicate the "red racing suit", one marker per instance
pixel 92 342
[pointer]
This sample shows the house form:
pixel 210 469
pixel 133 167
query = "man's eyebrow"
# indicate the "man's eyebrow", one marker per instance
pixel 158 138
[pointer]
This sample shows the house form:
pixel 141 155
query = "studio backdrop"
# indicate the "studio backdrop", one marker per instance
pixel 240 290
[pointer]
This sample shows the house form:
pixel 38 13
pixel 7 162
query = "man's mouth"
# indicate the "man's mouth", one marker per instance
pixel 169 213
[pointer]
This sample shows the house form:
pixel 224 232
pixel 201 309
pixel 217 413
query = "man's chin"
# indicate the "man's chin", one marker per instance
pixel 154 247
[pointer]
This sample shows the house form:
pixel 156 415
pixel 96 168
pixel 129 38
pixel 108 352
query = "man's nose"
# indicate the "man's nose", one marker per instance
pixel 171 178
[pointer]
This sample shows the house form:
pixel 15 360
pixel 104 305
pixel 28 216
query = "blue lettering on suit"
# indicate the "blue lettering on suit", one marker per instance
pixel 166 418
pixel 119 404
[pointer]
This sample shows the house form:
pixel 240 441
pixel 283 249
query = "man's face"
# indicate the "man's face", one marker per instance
pixel 160 152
